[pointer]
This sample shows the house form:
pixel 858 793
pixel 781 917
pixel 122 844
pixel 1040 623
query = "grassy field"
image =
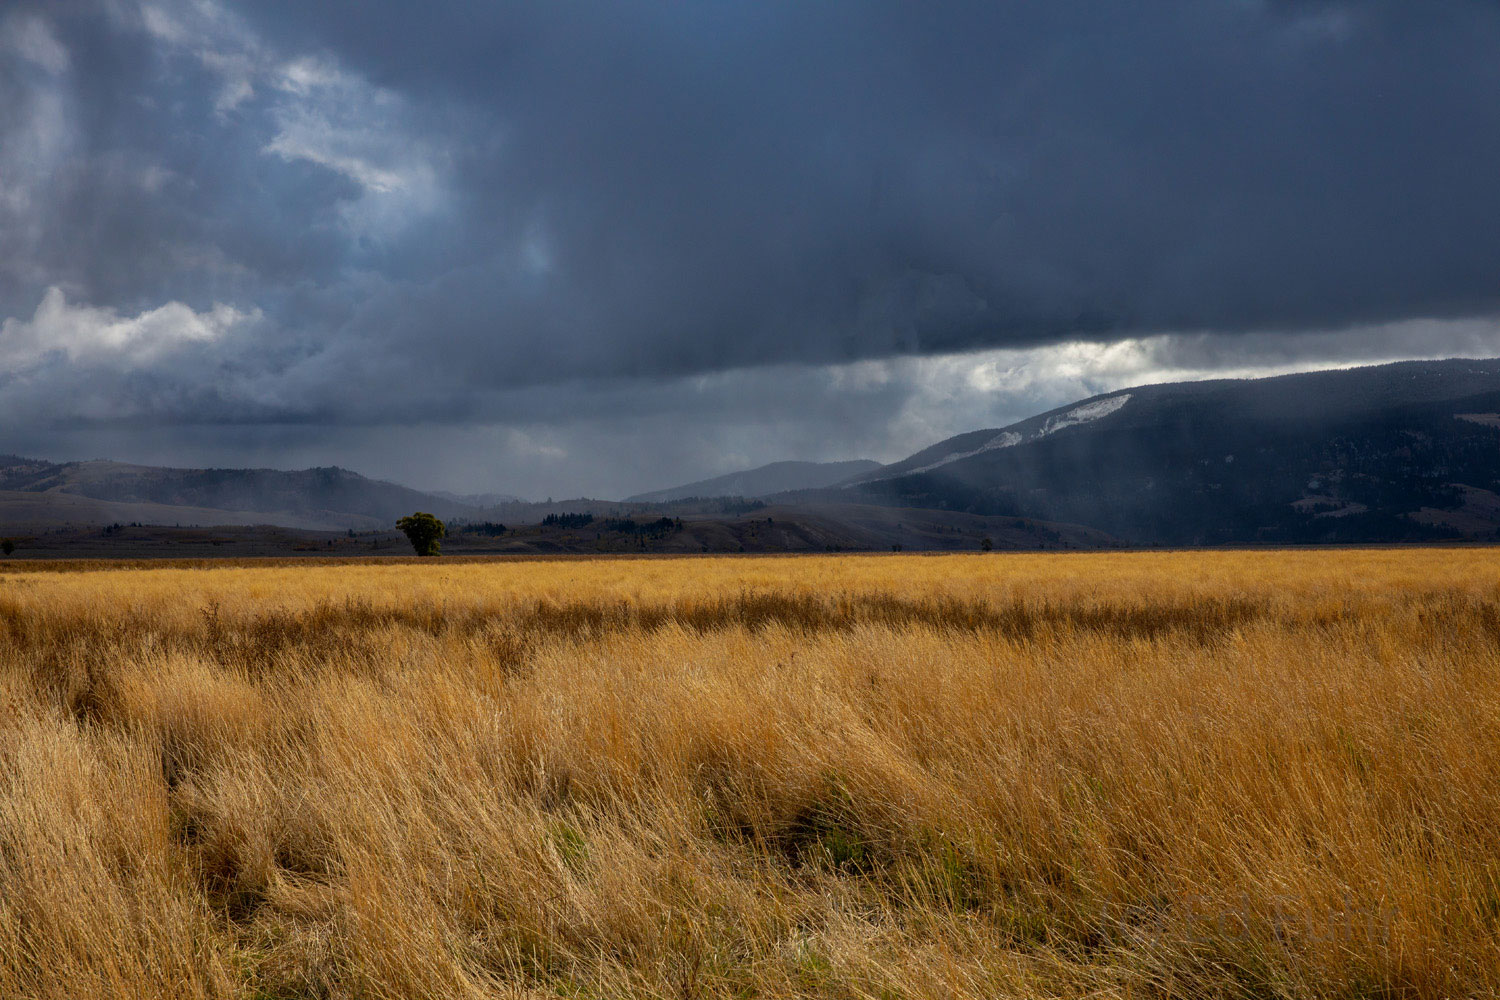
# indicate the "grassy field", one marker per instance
pixel 1246 774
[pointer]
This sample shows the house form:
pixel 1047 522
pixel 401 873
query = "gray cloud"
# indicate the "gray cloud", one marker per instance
pixel 555 229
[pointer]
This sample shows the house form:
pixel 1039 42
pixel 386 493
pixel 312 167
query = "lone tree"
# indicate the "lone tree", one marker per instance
pixel 7 546
pixel 423 531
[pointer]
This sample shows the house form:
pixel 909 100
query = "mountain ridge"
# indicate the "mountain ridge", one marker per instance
pixel 1372 453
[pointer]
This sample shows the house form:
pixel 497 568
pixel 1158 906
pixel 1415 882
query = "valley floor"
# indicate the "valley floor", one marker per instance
pixel 1120 774
pixel 800 528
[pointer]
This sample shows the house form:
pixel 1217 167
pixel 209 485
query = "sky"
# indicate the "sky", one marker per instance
pixel 595 248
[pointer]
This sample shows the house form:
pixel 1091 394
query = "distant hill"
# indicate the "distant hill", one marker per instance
pixel 778 477
pixel 39 492
pixel 21 511
pixel 1408 451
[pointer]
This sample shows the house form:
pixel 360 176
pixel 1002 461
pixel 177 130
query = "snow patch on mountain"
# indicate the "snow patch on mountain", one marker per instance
pixel 1083 414
pixel 1004 439
pixel 1009 439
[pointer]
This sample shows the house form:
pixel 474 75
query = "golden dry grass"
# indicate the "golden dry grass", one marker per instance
pixel 1152 774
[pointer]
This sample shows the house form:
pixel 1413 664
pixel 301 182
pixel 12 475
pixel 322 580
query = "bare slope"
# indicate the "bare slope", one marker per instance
pixel 777 477
pixel 22 511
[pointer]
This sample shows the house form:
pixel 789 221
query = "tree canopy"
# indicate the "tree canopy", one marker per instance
pixel 423 531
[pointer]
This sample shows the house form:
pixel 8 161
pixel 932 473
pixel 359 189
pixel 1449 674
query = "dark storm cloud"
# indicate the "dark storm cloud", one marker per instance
pixel 724 184
pixel 433 212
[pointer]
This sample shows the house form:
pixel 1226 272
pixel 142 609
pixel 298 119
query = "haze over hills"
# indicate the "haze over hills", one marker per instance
pixel 778 477
pixel 1405 451
pixel 479 499
pixel 1401 452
